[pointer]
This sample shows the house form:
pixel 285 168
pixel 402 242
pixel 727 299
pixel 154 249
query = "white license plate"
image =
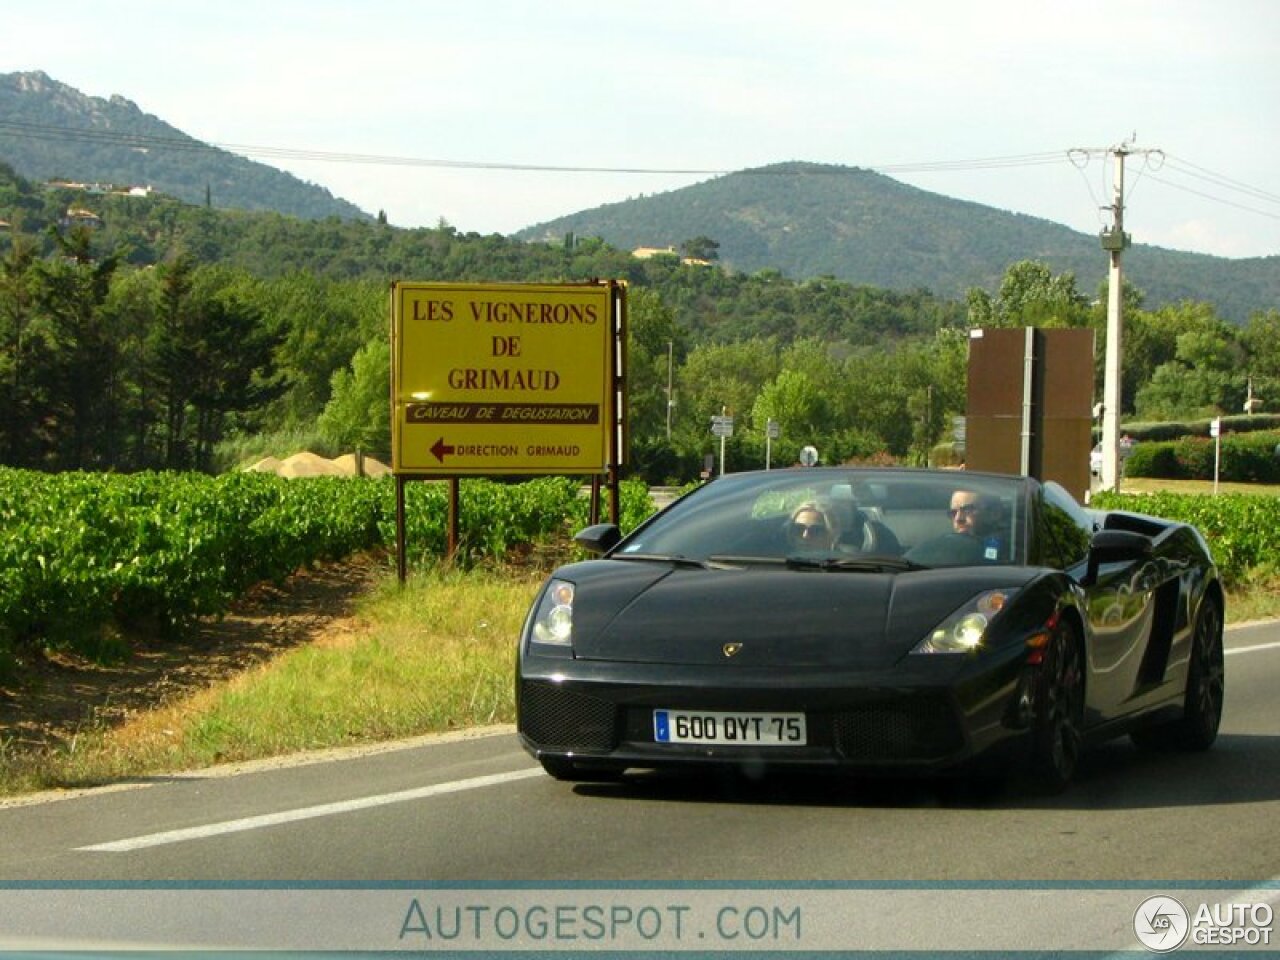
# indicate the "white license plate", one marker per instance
pixel 729 729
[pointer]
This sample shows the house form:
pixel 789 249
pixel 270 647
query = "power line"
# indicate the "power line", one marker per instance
pixel 981 163
pixel 1218 179
pixel 1188 169
pixel 1209 196
pixel 152 142
pixel 47 132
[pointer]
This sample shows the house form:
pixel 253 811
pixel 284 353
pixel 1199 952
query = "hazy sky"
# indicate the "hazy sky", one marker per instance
pixel 442 101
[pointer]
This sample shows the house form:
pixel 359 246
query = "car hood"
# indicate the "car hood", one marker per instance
pixel 652 613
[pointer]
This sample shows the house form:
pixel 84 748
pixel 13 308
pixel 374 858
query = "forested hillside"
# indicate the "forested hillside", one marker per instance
pixel 803 220
pixel 49 130
pixel 809 220
pixel 159 334
pixel 714 304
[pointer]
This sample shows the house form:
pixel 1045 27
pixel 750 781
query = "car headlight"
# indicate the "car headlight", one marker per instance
pixel 966 629
pixel 553 621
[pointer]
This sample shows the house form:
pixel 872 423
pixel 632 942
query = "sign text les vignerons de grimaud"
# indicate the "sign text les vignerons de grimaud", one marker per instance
pixel 492 379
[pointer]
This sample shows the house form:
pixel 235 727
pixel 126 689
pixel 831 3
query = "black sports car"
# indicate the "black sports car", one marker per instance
pixel 872 620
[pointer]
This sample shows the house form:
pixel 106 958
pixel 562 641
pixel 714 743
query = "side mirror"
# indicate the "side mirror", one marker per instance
pixel 600 538
pixel 1116 546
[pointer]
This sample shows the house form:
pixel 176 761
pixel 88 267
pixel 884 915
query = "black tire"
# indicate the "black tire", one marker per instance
pixel 1057 739
pixel 566 770
pixel 1197 728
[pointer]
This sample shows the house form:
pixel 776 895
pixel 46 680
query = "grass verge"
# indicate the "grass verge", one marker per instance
pixel 434 656
pixel 1157 485
pixel 1261 601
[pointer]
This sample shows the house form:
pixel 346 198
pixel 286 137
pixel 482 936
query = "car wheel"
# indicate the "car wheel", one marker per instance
pixel 568 771
pixel 1197 728
pixel 1059 711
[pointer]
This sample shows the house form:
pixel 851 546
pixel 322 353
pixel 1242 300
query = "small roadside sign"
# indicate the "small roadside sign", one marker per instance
pixel 722 426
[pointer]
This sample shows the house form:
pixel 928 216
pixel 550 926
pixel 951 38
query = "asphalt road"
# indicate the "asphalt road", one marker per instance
pixel 463 843
pixel 477 808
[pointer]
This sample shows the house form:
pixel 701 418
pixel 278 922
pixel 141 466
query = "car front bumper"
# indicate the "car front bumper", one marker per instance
pixel 927 718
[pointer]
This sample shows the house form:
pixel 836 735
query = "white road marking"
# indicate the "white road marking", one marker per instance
pixel 307 813
pixel 365 803
pixel 1254 649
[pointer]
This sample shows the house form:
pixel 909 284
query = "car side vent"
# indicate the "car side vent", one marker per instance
pixel 553 717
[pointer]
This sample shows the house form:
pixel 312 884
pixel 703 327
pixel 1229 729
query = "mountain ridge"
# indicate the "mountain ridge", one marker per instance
pixel 856 225
pixel 804 220
pixel 50 130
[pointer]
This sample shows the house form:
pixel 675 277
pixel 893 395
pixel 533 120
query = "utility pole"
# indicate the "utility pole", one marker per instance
pixel 724 412
pixel 670 402
pixel 1251 403
pixel 1114 241
pixel 928 426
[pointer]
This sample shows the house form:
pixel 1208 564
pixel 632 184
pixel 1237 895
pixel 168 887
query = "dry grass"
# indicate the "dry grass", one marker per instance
pixel 432 656
pixel 436 656
pixel 1260 602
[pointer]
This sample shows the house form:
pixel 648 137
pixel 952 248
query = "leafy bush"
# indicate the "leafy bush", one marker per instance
pixel 86 556
pixel 1251 457
pixel 86 559
pixel 1242 530
pixel 496 518
pixel 1244 458
pixel 1172 430
pixel 83 556
pixel 1152 460
pixel 493 518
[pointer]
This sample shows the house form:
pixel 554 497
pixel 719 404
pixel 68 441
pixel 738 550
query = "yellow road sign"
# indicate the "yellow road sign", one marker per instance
pixel 491 379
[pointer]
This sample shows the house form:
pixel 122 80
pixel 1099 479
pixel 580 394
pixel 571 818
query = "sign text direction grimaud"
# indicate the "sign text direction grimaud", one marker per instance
pixel 492 379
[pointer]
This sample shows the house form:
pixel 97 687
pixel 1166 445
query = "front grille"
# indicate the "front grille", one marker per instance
pixel 551 716
pixel 920 728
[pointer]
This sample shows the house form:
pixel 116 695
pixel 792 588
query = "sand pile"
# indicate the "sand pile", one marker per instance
pixel 307 464
pixel 372 468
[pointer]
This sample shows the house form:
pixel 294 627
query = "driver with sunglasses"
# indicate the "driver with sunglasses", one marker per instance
pixel 975 537
pixel 973 514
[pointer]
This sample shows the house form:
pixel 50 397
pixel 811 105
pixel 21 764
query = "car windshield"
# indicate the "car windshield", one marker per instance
pixel 806 517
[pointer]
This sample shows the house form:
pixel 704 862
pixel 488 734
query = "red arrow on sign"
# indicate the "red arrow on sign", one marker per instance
pixel 440 448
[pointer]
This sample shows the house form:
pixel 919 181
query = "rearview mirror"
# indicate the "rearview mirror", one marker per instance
pixel 600 538
pixel 1116 546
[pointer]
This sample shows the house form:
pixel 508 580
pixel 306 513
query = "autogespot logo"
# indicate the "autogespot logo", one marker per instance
pixel 1161 924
